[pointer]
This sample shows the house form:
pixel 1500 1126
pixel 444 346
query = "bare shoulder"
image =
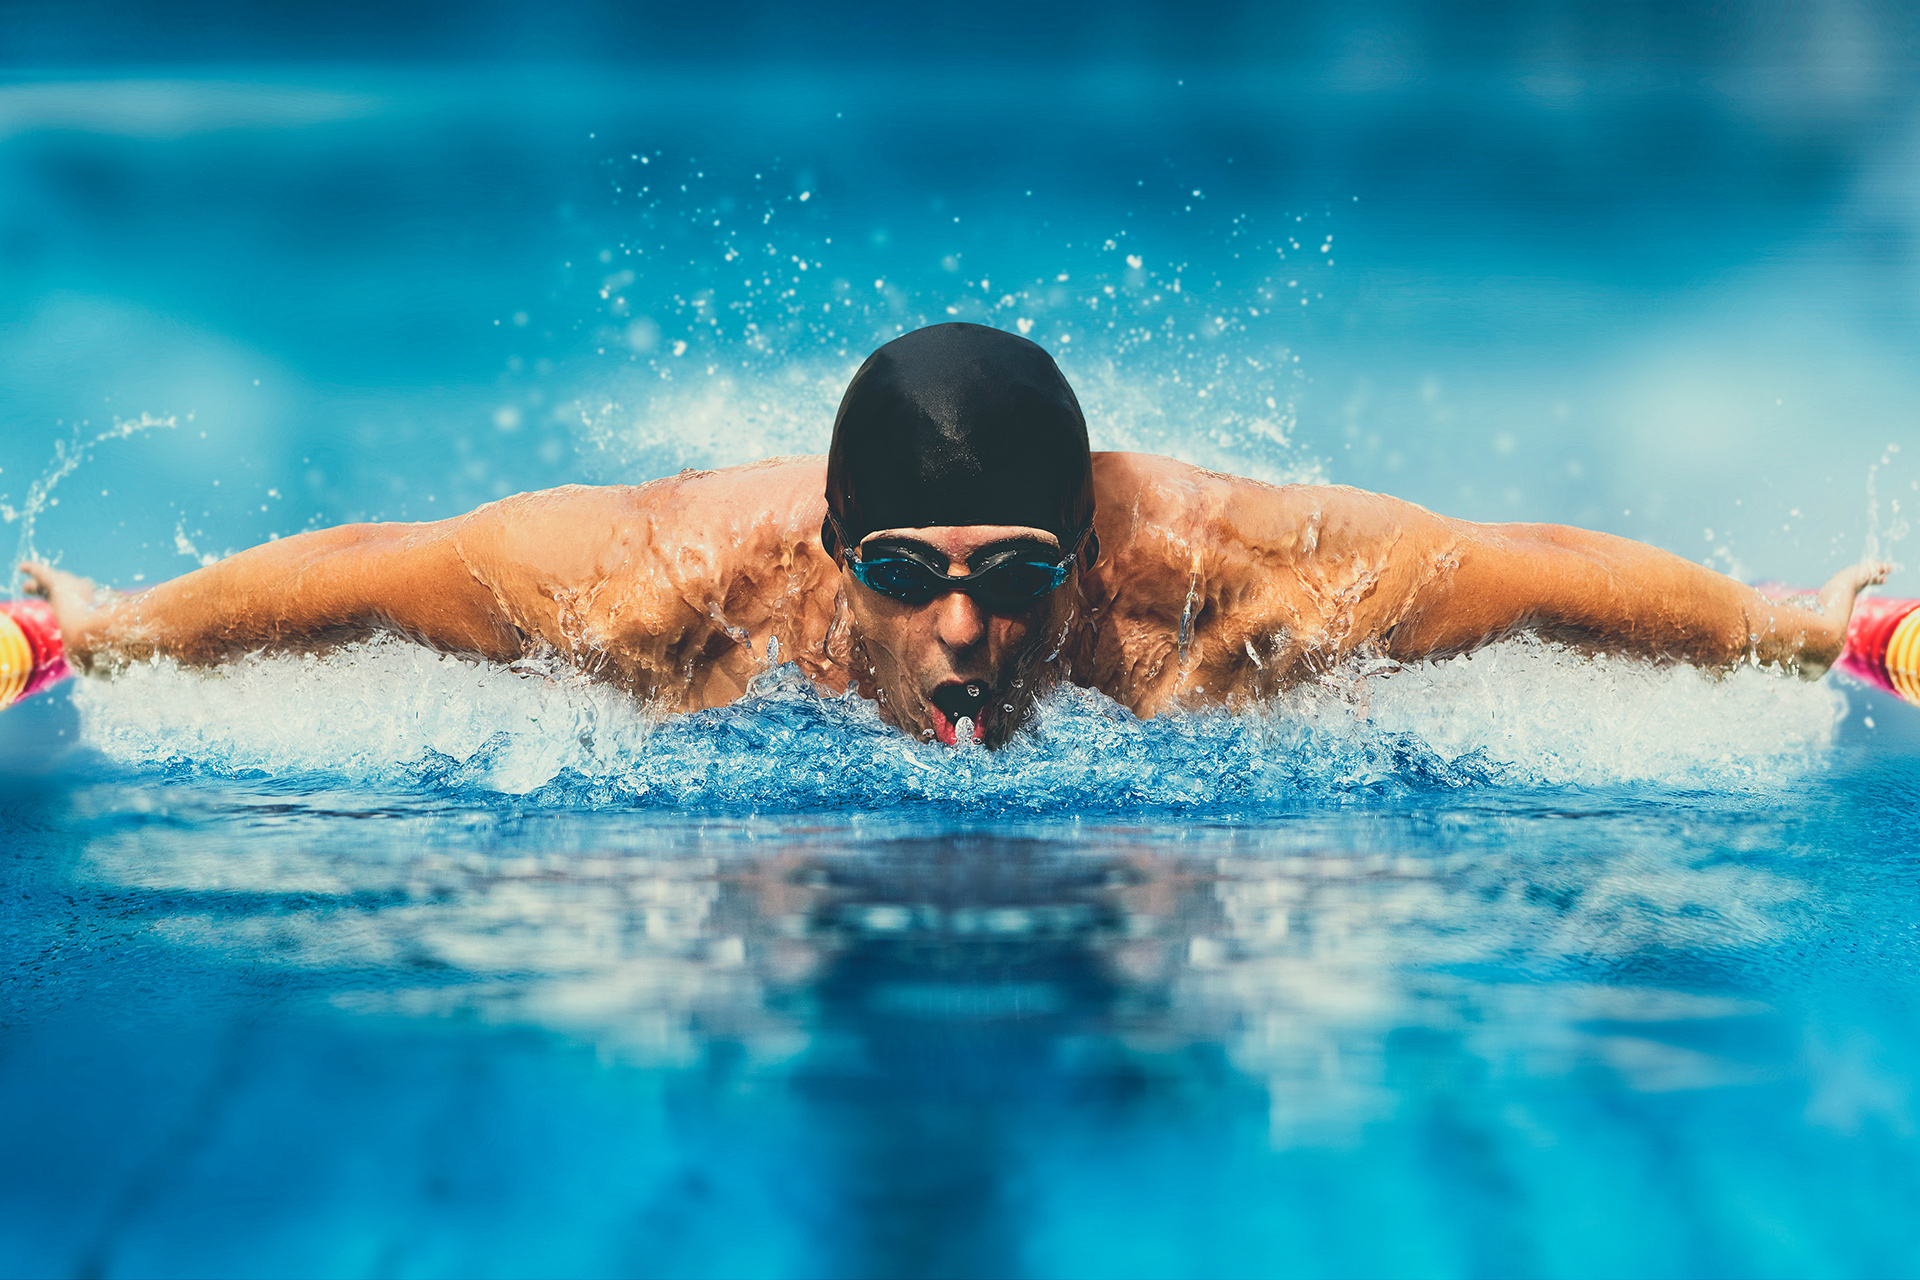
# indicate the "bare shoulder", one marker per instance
pixel 588 533
pixel 674 587
pixel 776 493
pixel 1212 586
pixel 1151 506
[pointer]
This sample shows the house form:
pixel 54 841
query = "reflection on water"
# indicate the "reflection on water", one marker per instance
pixel 1301 961
pixel 918 993
pixel 428 1029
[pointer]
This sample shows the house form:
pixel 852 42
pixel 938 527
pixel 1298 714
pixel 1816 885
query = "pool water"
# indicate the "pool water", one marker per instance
pixel 398 964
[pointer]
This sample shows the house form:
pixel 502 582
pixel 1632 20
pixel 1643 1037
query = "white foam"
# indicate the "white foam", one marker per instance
pixel 1544 713
pixel 1519 713
pixel 374 711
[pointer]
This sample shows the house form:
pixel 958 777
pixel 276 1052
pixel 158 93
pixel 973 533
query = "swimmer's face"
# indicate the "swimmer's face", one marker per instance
pixel 930 663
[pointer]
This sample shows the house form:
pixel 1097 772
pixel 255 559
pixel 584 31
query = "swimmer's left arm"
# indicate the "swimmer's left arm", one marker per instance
pixel 1606 594
pixel 1369 571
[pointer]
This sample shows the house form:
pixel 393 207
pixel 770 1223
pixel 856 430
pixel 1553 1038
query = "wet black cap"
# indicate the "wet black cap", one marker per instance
pixel 959 424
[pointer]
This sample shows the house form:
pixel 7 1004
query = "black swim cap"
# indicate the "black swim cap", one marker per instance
pixel 958 424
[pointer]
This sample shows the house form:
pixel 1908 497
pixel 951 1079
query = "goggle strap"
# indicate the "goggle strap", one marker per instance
pixel 833 539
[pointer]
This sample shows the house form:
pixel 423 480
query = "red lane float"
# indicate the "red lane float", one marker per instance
pixel 31 655
pixel 1883 645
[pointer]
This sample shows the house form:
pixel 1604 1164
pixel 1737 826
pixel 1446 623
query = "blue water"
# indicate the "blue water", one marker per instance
pixel 1527 964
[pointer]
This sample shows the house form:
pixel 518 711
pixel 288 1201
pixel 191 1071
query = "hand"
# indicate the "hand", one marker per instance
pixel 1836 598
pixel 1824 644
pixel 71 596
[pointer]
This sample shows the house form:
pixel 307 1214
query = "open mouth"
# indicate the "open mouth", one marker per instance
pixel 956 701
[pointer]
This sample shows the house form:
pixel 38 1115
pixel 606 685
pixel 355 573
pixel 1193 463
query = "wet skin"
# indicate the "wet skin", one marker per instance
pixel 1208 590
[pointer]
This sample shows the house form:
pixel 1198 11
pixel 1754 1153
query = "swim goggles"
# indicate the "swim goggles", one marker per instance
pixel 1009 582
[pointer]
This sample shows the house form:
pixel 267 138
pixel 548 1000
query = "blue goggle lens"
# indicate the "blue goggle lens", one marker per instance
pixel 1004 587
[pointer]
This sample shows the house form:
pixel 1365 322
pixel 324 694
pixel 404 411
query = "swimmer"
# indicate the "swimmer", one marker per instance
pixel 957 552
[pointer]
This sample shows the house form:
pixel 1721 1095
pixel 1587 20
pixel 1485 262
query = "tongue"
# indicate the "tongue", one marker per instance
pixel 950 730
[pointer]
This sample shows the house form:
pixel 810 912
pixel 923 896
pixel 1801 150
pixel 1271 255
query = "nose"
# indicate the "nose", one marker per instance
pixel 960 622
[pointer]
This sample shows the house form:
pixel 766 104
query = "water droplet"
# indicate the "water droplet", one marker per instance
pixel 1007 707
pixel 973 691
pixel 1019 684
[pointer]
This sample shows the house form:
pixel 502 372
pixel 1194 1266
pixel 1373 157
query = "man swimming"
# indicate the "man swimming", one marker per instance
pixel 958 551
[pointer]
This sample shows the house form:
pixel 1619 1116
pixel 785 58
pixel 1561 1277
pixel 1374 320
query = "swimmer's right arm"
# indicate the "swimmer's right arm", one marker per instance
pixel 310 591
pixel 484 584
pixel 625 581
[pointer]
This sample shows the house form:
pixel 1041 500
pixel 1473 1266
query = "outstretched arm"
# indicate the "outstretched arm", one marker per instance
pixel 1613 595
pixel 672 589
pixel 1210 587
pixel 309 591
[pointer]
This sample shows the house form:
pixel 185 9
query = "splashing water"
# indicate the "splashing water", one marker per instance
pixel 1883 540
pixel 1520 713
pixel 68 456
pixel 735 321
